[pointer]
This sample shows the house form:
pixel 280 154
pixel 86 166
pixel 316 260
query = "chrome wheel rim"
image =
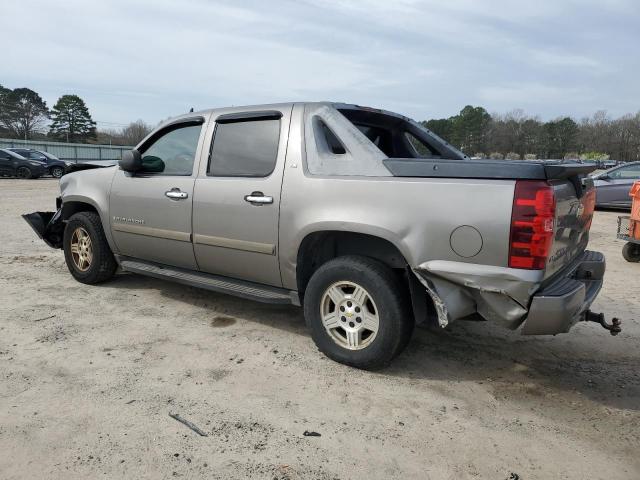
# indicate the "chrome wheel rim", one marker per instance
pixel 349 315
pixel 81 249
pixel 57 172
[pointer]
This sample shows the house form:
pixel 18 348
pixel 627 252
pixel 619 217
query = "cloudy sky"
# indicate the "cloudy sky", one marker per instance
pixel 152 59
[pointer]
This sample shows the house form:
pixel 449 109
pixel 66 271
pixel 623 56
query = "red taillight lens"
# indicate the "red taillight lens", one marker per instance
pixel 532 225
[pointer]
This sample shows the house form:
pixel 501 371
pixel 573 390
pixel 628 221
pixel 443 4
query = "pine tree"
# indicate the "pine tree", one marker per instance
pixel 72 121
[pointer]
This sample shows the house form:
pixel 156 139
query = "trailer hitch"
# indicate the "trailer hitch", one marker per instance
pixel 615 327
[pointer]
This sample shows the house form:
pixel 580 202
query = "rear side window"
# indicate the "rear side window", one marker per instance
pixel 332 142
pixel 244 149
pixel 632 171
pixel 36 156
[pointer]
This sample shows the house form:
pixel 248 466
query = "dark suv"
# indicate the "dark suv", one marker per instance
pixel 13 164
pixel 55 167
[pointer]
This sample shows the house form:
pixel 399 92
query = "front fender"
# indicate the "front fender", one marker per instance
pixel 89 187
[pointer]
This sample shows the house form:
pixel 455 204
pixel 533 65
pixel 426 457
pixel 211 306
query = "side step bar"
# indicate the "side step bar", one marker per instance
pixel 216 283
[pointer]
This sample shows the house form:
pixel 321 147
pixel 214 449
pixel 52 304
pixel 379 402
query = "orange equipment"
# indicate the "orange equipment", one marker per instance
pixel 634 221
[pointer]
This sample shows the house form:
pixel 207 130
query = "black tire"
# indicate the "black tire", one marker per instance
pixel 56 172
pixel 24 173
pixel 631 252
pixel 103 265
pixel 391 300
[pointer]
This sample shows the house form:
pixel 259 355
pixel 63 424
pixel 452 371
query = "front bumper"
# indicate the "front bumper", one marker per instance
pixel 48 226
pixel 559 305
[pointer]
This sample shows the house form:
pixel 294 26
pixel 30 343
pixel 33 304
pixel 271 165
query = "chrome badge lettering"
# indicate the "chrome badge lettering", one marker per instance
pixel 135 221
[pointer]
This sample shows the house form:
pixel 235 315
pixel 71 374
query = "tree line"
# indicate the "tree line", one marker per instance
pixel 516 135
pixel 24 115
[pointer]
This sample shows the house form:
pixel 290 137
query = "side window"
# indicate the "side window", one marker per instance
pixel 332 142
pixel 244 149
pixel 173 153
pixel 632 171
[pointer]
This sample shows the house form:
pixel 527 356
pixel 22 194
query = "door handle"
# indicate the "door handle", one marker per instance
pixel 258 198
pixel 176 194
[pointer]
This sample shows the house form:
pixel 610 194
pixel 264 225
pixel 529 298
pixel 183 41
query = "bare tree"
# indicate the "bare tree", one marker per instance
pixel 133 133
pixel 22 112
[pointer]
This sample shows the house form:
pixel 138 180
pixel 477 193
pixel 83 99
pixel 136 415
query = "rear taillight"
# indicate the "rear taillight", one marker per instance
pixel 532 225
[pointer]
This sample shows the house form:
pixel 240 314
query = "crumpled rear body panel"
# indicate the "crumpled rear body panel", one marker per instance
pixel 461 289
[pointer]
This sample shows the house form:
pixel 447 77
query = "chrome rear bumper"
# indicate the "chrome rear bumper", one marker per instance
pixel 558 306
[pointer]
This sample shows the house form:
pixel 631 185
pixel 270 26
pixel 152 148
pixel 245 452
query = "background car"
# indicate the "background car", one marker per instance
pixel 613 185
pixel 15 165
pixel 55 167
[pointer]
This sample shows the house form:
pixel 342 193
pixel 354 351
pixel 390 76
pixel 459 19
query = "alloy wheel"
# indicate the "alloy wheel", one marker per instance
pixel 81 249
pixel 349 315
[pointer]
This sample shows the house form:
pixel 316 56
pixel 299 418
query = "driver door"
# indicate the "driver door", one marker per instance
pixel 150 210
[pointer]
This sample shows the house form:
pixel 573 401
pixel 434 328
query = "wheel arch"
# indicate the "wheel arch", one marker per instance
pixel 75 204
pixel 70 208
pixel 320 246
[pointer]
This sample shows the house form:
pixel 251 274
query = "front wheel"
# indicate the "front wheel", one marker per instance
pixel 86 251
pixel 631 252
pixel 56 172
pixel 24 173
pixel 357 310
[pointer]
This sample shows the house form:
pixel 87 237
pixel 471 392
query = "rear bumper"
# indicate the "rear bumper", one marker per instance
pixel 556 307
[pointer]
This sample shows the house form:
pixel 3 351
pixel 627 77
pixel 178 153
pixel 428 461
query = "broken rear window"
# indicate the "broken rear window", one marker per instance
pixel 352 140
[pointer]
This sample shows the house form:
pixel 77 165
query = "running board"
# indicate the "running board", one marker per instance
pixel 216 283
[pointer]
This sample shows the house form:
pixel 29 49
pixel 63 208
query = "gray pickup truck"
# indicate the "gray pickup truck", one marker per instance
pixel 362 216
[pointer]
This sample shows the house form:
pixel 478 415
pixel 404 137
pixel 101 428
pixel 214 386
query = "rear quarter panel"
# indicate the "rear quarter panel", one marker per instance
pixel 417 215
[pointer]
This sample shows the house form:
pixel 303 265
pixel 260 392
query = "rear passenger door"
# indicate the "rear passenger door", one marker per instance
pixel 236 202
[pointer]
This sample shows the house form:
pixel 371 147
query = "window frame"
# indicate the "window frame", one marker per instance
pixel 244 117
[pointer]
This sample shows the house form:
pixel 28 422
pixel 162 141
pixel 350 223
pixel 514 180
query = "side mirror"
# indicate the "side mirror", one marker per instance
pixel 604 177
pixel 131 161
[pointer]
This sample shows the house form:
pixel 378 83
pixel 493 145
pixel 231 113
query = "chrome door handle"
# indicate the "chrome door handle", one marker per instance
pixel 258 198
pixel 176 194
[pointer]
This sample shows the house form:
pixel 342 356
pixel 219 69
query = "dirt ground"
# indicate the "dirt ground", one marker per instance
pixel 89 375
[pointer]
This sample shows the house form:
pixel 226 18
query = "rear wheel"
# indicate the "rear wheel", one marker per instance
pixel 56 172
pixel 357 311
pixel 86 251
pixel 631 252
pixel 24 173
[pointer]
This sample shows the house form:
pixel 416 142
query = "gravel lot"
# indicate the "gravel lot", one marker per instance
pixel 89 375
